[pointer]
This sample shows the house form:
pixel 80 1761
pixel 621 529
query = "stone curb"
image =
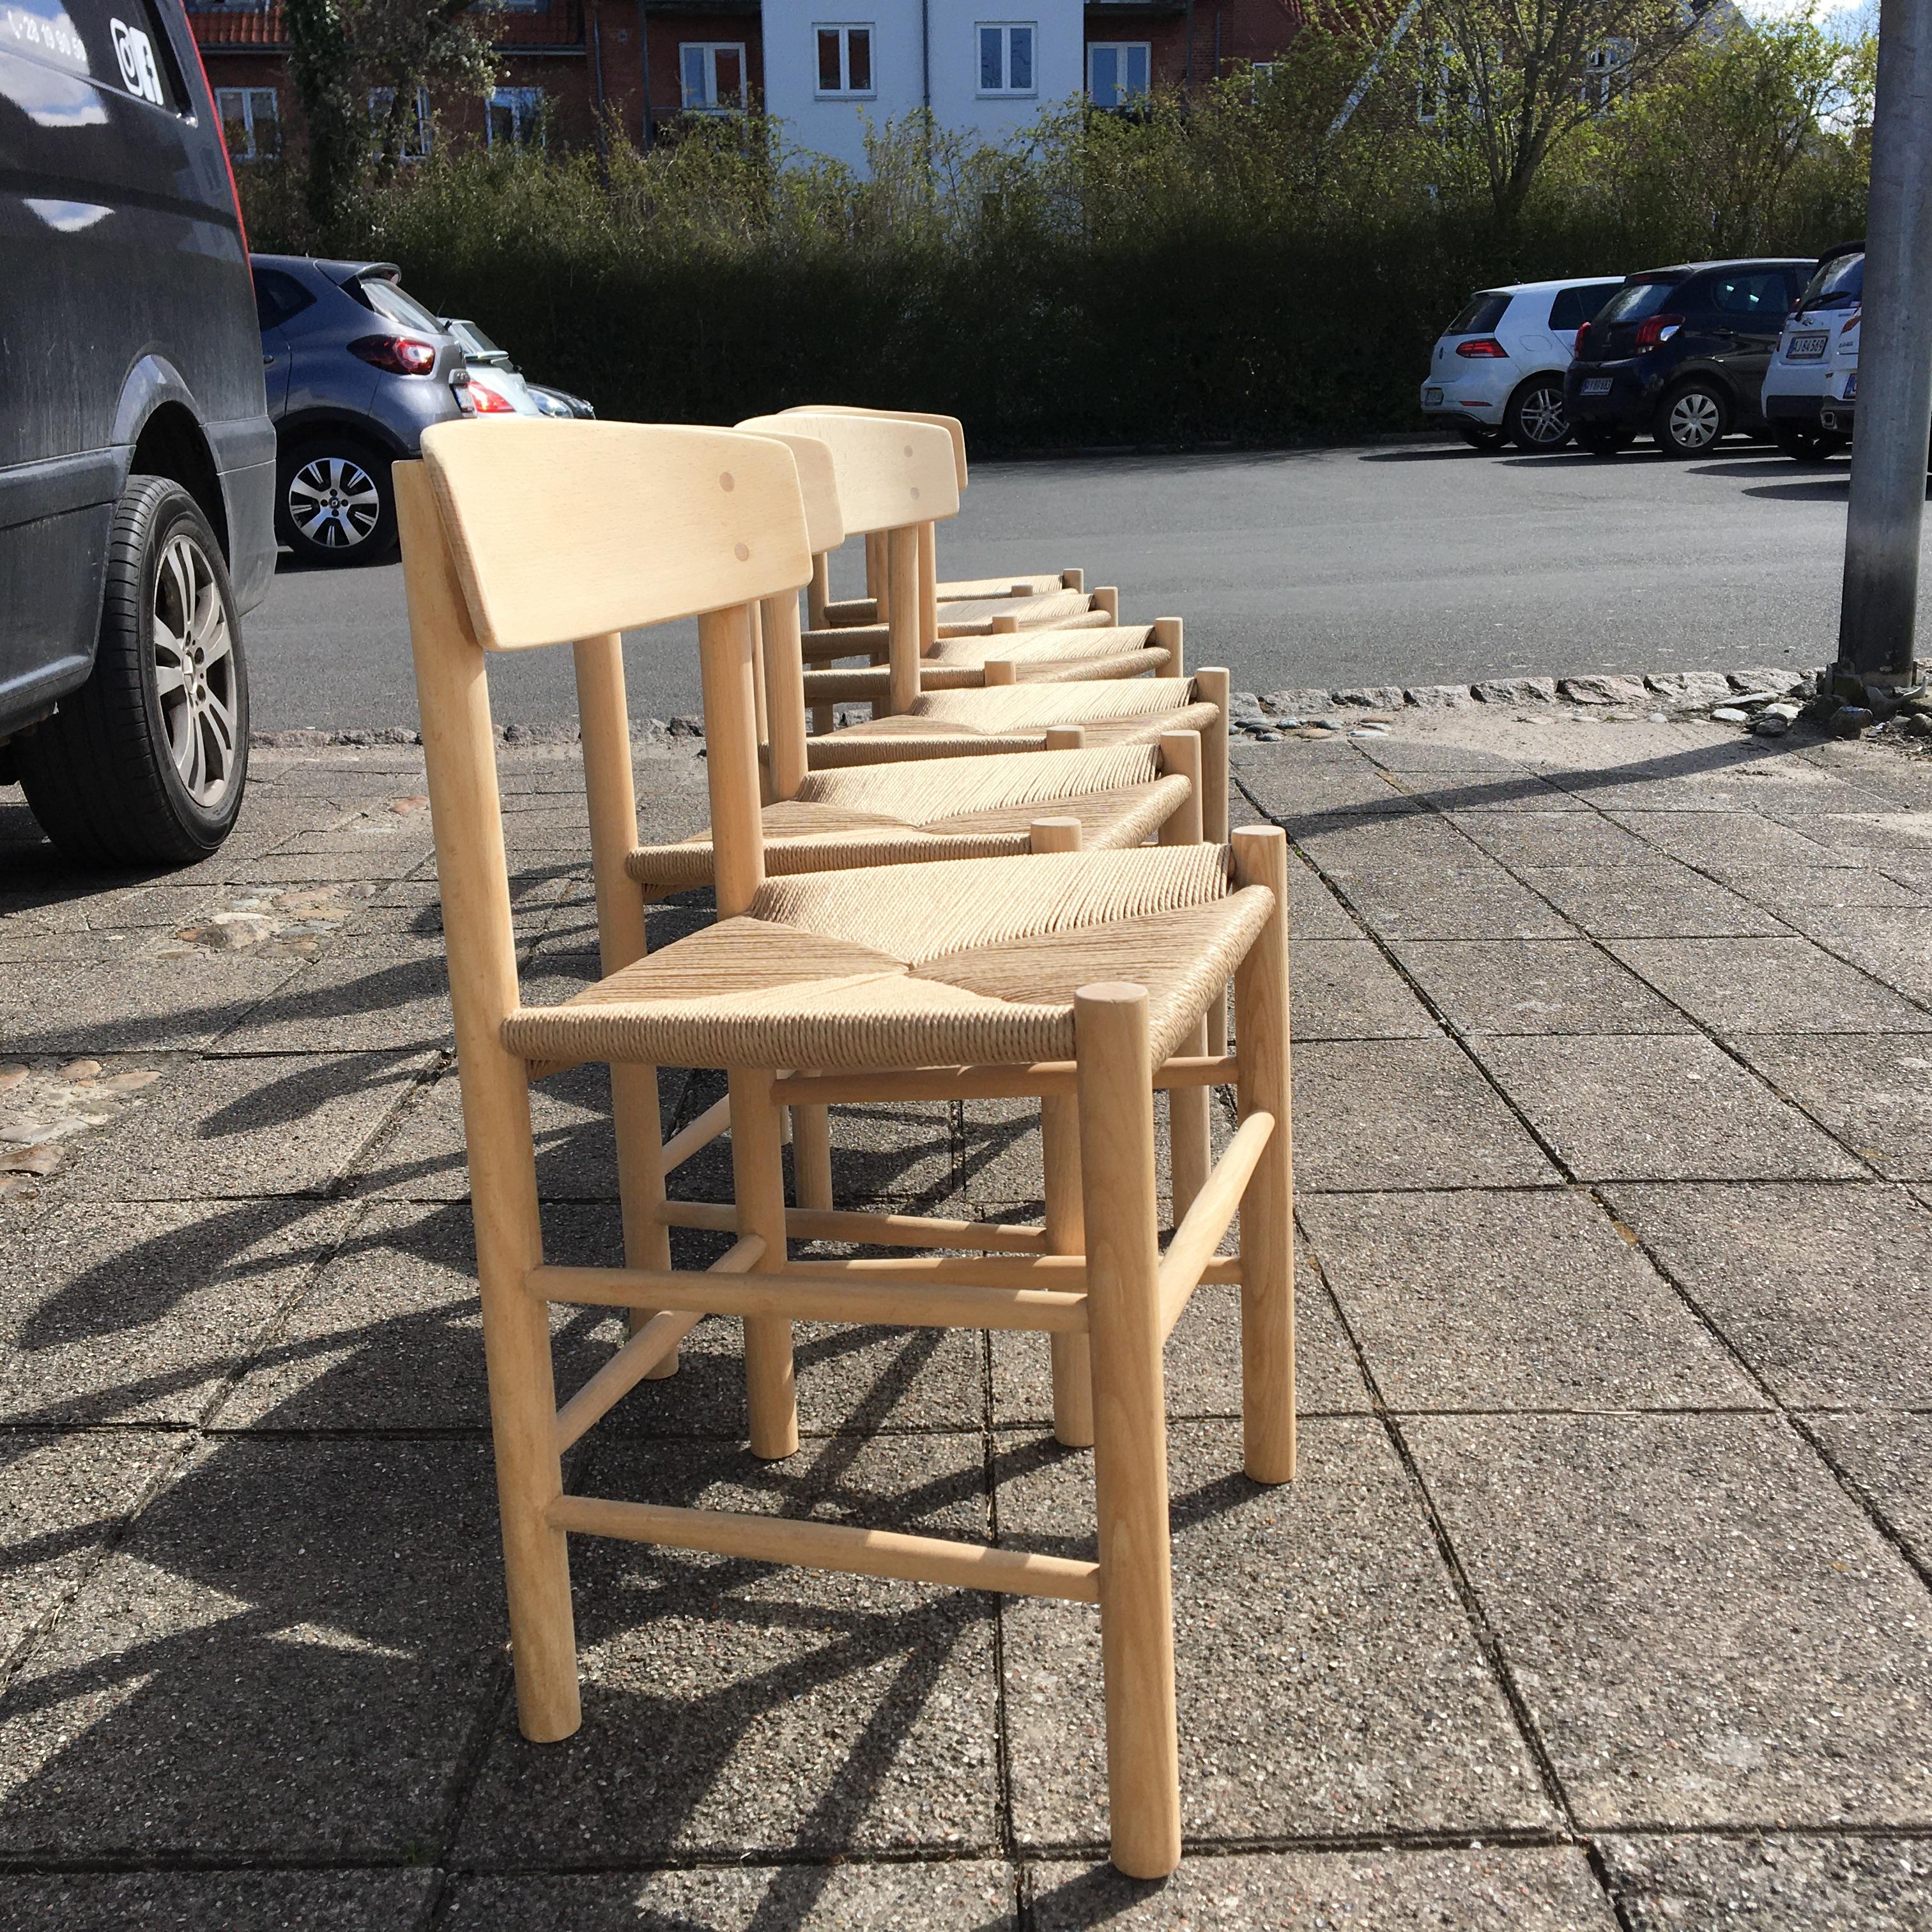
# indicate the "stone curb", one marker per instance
pixel 306 738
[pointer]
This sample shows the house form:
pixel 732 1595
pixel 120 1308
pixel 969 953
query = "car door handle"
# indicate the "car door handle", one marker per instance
pixel 268 361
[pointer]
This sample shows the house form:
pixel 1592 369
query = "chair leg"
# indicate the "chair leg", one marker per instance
pixel 1190 1134
pixel 757 1183
pixel 1268 1203
pixel 1071 1355
pixel 811 1156
pixel 1116 1105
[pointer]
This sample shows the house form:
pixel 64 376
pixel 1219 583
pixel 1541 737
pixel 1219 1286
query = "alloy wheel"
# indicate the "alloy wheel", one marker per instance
pixel 194 671
pixel 1695 420
pixel 1542 417
pixel 333 501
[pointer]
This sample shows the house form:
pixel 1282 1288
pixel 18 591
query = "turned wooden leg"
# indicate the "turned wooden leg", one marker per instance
pixel 1116 1104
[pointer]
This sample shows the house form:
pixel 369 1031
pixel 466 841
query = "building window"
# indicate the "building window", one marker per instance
pixel 1006 57
pixel 251 121
pixel 517 117
pixel 415 126
pixel 1117 72
pixel 1260 77
pixel 1605 82
pixel 844 62
pixel 712 73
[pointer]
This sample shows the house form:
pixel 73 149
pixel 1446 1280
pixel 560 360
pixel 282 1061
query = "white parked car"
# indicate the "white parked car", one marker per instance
pixel 1837 413
pixel 1818 346
pixel 1497 373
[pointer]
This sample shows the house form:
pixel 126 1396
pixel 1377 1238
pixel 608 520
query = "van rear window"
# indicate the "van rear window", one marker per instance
pixel 1480 314
pixel 117 43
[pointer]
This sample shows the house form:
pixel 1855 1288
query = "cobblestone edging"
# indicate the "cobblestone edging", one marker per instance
pixel 306 738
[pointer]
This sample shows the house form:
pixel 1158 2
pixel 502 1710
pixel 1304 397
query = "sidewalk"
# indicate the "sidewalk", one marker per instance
pixel 1602 1601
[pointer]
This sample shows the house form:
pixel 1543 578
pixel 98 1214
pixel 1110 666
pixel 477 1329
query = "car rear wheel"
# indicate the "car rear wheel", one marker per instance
pixel 1805 445
pixel 1535 419
pixel 1478 436
pixel 146 763
pixel 333 501
pixel 1692 421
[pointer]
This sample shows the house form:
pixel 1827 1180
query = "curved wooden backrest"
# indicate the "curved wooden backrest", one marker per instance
pixel 817 480
pixel 893 474
pixel 952 426
pixel 564 530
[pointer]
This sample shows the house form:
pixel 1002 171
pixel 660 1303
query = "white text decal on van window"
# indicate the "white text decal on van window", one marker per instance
pixel 135 53
pixel 45 31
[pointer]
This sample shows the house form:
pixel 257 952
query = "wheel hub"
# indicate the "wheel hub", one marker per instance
pixel 194 671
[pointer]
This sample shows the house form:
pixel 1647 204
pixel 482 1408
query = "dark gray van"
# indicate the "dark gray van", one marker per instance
pixel 137 461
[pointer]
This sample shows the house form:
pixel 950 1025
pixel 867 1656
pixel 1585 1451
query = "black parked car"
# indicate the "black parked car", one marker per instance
pixel 137 456
pixel 1680 354
pixel 357 370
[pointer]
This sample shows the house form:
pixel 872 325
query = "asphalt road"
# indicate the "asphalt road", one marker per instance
pixel 1419 563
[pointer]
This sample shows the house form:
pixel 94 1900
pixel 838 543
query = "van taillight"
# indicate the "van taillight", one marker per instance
pixel 1655 328
pixel 400 355
pixel 1482 345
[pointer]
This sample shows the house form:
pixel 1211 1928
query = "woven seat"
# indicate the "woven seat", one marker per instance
pixel 845 610
pixel 965 961
pixel 951 808
pixel 1104 653
pixel 937 980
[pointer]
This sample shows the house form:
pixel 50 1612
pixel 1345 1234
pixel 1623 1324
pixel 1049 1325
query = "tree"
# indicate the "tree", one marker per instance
pixel 1513 79
pixel 322 65
pixel 405 46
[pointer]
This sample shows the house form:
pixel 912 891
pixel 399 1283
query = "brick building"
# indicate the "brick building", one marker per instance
pixel 647 64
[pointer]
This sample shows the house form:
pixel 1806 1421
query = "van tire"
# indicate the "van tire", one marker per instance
pixel 101 774
pixel 351 468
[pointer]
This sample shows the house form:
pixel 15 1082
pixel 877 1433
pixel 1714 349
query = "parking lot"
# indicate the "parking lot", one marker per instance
pixel 1407 563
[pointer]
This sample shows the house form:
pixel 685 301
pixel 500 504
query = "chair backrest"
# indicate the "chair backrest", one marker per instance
pixel 560 530
pixel 817 479
pixel 893 474
pixel 952 426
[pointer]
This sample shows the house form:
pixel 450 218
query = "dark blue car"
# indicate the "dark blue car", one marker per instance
pixel 357 369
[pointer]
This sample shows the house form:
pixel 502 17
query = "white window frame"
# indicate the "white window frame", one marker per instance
pixel 1604 79
pixel 845 29
pixel 1119 49
pixel 1006 29
pixel 709 50
pixel 242 106
pixel 416 146
pixel 526 106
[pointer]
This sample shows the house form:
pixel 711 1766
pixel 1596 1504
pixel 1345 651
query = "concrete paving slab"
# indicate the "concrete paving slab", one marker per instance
pixel 1513 1301
pixel 955 1895
pixel 1411 838
pixel 1777 1881
pixel 1535 986
pixel 1792 891
pixel 397 1900
pixel 1346 989
pixel 125 1313
pixel 287 1658
pixel 999 1156
pixel 1893 943
pixel 1452 1131
pixel 364 995
pixel 1632 1107
pixel 1484 794
pixel 1662 900
pixel 1887 1453
pixel 1202 1362
pixel 1872 1092
pixel 1879 826
pixel 1704 1628
pixel 145 1005
pixel 222 1130
pixel 61 1497
pixel 1720 840
pixel 1418 753
pixel 1326 1673
pixel 1826 1291
pixel 1481 903
pixel 1768 985
pixel 1578 837
pixel 1313 911
pixel 732 1708
pixel 1539 1889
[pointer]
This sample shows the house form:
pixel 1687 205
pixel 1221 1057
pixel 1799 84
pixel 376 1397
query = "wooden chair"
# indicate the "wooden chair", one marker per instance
pixel 826 613
pixel 999 976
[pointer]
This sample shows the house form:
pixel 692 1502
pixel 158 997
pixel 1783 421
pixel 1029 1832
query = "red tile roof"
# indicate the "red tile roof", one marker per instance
pixel 559 24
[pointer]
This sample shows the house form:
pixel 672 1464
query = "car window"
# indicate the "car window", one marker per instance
pixel 389 301
pixel 1635 300
pixel 1573 307
pixel 1759 294
pixel 1837 283
pixel 1480 314
pixel 278 296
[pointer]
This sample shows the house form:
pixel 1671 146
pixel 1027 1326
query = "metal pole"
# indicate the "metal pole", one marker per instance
pixel 1877 619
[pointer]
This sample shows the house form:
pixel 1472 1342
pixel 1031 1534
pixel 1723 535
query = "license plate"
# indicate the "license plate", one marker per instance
pixel 1807 348
pixel 1431 396
pixel 1596 385
pixel 1851 387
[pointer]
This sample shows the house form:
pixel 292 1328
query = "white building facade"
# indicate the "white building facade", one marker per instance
pixel 985 67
